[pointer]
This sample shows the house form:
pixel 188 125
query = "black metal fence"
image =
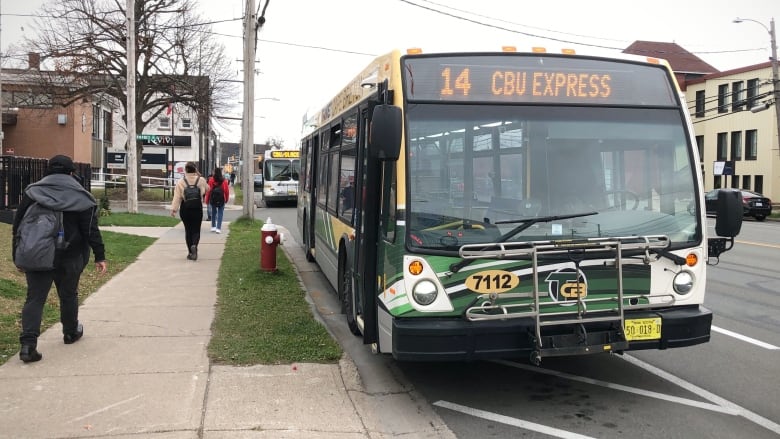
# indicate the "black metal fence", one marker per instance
pixel 16 173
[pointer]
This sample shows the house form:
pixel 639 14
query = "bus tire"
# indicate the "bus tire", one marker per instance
pixel 347 293
pixel 307 240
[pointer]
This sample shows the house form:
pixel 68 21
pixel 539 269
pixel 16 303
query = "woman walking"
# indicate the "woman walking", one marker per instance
pixel 188 201
pixel 216 197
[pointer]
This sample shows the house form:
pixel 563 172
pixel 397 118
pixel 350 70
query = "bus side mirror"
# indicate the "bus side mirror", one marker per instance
pixel 728 223
pixel 729 212
pixel 385 134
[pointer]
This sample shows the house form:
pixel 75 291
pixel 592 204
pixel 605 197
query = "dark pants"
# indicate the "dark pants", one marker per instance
pixel 192 219
pixel 66 278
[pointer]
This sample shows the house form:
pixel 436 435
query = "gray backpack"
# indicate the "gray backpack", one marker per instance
pixel 39 235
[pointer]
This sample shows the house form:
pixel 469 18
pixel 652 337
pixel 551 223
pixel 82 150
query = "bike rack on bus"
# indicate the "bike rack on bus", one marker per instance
pixel 581 342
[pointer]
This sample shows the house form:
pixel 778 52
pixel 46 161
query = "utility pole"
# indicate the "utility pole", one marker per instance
pixel 775 78
pixel 247 125
pixel 132 159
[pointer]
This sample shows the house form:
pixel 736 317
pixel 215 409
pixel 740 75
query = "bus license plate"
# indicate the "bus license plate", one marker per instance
pixel 643 329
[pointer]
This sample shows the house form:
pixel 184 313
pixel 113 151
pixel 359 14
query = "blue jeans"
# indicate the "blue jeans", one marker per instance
pixel 216 216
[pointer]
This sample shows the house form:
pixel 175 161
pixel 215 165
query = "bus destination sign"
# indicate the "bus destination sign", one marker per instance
pixel 285 154
pixel 536 79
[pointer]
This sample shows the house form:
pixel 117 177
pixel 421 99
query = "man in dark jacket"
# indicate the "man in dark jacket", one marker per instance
pixel 60 191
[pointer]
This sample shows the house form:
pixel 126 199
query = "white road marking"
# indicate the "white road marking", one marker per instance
pixel 745 338
pixel 719 404
pixel 634 390
pixel 551 431
pixel 741 411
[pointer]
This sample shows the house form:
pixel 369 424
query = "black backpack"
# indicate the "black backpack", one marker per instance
pixel 192 198
pixel 39 235
pixel 217 196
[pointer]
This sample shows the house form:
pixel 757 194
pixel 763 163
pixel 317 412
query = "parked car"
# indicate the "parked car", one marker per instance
pixel 258 182
pixel 753 203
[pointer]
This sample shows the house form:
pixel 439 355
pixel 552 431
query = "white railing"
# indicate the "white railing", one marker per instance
pixel 105 179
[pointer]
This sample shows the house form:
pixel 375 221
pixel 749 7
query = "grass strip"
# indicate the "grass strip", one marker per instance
pixel 262 317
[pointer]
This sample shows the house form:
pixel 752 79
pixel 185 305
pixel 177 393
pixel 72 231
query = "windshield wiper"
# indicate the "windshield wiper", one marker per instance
pixel 524 224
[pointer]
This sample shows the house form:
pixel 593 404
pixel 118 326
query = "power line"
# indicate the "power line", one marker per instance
pixel 560 40
pixel 470 20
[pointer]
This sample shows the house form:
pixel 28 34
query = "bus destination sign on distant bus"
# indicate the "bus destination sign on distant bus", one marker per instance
pixel 535 79
pixel 285 154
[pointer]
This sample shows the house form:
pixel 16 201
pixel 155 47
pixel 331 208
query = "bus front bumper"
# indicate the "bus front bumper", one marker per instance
pixel 455 339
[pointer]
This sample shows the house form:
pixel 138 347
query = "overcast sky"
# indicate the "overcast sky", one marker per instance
pixel 309 49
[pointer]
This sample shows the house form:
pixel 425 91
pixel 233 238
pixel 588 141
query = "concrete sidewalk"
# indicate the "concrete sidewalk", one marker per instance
pixel 142 369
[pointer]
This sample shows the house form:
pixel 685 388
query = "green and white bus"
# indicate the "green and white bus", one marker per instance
pixel 507 204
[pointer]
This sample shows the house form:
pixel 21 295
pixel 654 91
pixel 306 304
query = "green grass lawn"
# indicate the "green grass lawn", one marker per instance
pixel 261 318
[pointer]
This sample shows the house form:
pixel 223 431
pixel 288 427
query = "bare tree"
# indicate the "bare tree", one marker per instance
pixel 83 42
pixel 275 142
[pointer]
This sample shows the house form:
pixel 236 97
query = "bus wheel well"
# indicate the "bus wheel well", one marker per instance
pixel 346 290
pixel 307 241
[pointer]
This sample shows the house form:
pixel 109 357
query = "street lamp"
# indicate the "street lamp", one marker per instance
pixel 775 75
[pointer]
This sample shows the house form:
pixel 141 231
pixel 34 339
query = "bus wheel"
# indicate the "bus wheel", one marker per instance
pixel 306 240
pixel 347 294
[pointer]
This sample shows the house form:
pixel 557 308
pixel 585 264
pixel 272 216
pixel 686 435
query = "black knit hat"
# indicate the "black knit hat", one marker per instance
pixel 60 164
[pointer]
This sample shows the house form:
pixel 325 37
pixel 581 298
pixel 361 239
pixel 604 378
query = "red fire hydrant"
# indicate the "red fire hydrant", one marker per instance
pixel 269 240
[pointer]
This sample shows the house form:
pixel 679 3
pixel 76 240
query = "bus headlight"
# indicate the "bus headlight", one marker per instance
pixel 424 292
pixel 683 282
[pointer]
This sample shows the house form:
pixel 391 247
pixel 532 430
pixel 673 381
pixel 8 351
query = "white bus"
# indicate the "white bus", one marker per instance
pixel 281 168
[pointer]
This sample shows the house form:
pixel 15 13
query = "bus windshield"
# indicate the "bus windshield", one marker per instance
pixel 475 171
pixel 282 170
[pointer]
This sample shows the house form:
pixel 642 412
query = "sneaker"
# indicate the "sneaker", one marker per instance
pixel 218 231
pixel 214 229
pixel 29 354
pixel 194 252
pixel 75 336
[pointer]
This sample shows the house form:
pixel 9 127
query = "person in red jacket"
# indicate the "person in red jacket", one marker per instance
pixel 216 197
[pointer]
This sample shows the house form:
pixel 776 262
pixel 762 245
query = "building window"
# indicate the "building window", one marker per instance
pixel 186 123
pixel 722 151
pixel 736 145
pixel 700 103
pixel 752 92
pixel 737 96
pixel 759 180
pixel 746 182
pixel 96 121
pixel 108 124
pixel 163 122
pixel 716 182
pixel 751 144
pixel 723 98
pixel 700 146
pixel 735 181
